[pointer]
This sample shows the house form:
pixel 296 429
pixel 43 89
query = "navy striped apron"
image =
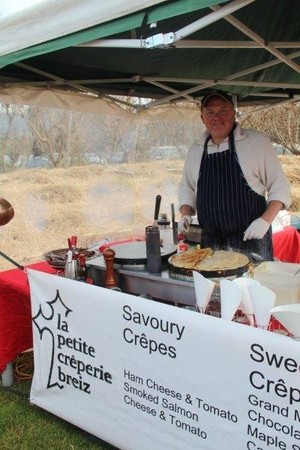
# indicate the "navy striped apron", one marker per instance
pixel 226 204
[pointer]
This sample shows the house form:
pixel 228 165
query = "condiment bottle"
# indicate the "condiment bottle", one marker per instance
pixel 152 236
pixel 163 221
pixel 81 266
pixel 166 234
pixel 181 246
pixel 70 266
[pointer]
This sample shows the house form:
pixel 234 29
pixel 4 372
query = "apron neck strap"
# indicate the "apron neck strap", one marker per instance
pixel 231 138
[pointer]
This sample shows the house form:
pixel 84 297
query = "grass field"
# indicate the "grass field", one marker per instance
pixel 24 426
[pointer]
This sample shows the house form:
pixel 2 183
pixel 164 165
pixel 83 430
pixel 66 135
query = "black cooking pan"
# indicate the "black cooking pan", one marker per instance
pixel 133 253
pixel 237 272
pixel 210 273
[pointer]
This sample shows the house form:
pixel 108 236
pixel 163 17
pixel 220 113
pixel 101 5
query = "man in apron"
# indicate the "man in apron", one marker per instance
pixel 235 182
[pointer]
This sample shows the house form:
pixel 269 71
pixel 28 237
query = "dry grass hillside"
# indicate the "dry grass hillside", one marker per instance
pixel 92 202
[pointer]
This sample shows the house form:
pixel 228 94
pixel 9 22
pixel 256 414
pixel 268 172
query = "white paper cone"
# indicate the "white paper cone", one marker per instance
pixel 246 304
pixel 203 290
pixel 231 296
pixel 263 299
pixel 289 317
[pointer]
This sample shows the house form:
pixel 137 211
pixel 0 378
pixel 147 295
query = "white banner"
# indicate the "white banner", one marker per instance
pixel 144 375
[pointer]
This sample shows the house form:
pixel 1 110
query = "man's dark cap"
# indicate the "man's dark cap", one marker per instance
pixel 222 95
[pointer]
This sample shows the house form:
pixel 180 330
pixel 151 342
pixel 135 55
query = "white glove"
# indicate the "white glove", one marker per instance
pixel 184 223
pixel 257 229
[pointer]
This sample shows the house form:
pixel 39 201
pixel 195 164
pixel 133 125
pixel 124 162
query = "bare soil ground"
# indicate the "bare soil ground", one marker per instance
pixel 92 202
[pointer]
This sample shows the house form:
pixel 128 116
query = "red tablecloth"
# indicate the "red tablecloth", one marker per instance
pixel 15 312
pixel 15 308
pixel 286 245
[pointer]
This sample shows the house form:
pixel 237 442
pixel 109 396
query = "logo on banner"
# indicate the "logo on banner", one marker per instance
pixel 68 354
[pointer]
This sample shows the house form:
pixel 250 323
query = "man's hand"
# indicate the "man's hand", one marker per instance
pixel 184 223
pixel 257 229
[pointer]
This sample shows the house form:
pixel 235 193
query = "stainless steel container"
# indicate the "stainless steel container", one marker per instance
pixel 193 233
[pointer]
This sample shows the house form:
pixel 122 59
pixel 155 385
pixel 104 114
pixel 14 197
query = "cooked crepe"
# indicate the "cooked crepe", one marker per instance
pixel 222 260
pixel 190 258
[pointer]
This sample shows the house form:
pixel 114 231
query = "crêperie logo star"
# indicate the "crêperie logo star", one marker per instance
pixel 56 319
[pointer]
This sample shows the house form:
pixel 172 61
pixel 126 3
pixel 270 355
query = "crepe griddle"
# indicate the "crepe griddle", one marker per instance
pixel 237 272
pixel 131 253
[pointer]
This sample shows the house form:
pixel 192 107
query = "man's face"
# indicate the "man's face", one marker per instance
pixel 218 117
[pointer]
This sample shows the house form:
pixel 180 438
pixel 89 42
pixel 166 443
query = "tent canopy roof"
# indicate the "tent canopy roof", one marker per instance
pixel 164 50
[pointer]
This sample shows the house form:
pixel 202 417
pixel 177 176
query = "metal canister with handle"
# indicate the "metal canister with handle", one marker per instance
pixel 153 252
